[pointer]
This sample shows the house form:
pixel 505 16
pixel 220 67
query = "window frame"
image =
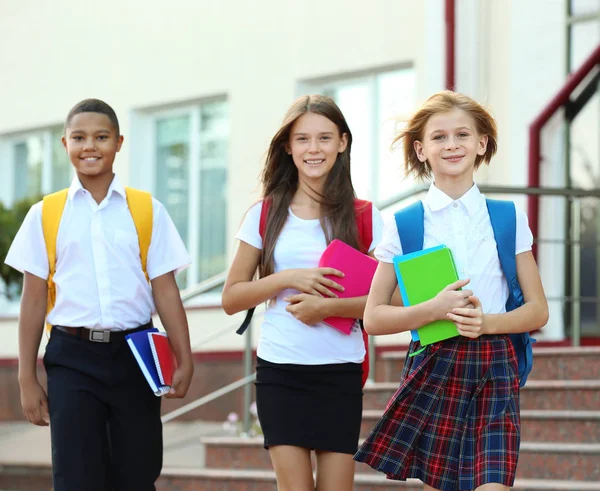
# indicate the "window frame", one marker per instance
pixel 369 78
pixel 144 144
pixel 7 154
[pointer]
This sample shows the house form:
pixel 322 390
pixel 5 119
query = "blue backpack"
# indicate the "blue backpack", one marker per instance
pixel 410 223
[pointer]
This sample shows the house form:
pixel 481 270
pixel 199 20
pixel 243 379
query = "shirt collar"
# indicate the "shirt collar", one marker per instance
pixel 115 186
pixel 436 199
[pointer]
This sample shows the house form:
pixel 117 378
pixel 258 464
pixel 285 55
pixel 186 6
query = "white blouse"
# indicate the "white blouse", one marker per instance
pixel 464 226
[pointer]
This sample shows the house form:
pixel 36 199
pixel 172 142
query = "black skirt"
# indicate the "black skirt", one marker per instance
pixel 312 406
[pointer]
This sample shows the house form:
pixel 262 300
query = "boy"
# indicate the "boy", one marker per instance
pixel 104 420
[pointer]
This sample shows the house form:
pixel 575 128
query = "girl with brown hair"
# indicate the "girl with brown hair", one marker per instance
pixel 308 387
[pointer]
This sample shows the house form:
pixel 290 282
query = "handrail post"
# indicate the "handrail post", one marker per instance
pixel 372 360
pixel 576 271
pixel 247 371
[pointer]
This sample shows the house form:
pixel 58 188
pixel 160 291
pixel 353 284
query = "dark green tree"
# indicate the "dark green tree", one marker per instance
pixel 10 221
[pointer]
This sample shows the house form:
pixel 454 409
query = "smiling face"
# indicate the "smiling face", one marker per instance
pixel 314 144
pixel 92 142
pixel 450 145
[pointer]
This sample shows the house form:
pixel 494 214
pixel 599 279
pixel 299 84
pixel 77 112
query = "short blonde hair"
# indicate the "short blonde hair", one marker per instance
pixel 442 102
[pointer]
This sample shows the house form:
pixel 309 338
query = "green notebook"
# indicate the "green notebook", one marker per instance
pixel 421 276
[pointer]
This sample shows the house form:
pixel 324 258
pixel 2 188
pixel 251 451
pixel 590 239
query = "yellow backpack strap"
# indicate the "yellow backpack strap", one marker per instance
pixel 140 207
pixel 52 210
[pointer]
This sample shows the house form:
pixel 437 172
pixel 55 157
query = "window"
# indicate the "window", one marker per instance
pixel 189 176
pixel 584 7
pixel 37 164
pixel 374 106
pixel 583 158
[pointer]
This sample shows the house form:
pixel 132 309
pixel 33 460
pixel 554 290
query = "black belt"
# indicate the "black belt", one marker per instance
pixel 101 335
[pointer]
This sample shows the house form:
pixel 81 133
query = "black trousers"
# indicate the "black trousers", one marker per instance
pixel 104 420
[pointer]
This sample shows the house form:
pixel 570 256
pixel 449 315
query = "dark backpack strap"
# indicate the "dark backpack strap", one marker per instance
pixel 411 227
pixel 262 226
pixel 246 323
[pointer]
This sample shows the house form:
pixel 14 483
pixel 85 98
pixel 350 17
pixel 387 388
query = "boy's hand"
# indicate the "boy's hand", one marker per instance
pixel 35 403
pixel 182 377
pixel 470 321
pixel 306 308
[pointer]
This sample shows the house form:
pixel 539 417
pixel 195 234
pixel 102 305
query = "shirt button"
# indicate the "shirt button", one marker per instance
pixel 455 204
pixel 463 271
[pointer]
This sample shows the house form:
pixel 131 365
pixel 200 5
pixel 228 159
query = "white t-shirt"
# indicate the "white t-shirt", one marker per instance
pixel 99 278
pixel 283 338
pixel 464 226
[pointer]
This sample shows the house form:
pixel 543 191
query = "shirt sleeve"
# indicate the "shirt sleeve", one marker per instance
pixel 389 247
pixel 377 228
pixel 167 251
pixel 28 252
pixel 248 231
pixel 524 237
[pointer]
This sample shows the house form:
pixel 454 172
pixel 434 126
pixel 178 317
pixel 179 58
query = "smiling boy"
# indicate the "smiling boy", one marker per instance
pixel 104 420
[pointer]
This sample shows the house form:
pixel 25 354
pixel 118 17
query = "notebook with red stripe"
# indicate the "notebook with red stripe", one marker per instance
pixel 164 358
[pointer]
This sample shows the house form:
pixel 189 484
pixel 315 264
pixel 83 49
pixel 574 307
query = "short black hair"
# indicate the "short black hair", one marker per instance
pixel 93 106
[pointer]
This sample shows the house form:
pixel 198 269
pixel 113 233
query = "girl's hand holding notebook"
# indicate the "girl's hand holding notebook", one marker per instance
pixel 422 275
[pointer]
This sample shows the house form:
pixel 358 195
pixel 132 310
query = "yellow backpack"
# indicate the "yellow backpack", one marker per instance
pixel 140 207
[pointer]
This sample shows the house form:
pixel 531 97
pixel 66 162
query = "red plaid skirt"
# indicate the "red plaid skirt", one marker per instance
pixel 454 421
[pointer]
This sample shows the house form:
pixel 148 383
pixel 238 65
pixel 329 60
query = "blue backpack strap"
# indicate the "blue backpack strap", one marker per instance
pixel 410 222
pixel 411 229
pixel 503 217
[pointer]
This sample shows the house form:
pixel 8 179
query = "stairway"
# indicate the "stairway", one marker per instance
pixel 560 450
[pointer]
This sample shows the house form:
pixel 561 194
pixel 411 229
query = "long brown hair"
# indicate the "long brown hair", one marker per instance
pixel 280 182
pixel 442 102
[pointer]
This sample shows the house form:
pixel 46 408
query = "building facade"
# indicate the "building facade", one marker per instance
pixel 201 86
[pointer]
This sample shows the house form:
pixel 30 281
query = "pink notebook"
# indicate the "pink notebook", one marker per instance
pixel 359 270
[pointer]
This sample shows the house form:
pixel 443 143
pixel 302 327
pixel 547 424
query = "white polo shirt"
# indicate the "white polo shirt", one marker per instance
pixel 99 278
pixel 464 226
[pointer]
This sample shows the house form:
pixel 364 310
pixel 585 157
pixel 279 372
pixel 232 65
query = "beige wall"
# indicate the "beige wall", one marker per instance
pixel 140 54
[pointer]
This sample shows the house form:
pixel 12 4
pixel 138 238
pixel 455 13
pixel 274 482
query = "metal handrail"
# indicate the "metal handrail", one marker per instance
pixel 494 189
pixel 219 279
pixel 208 398
pixel 222 332
pixel 204 286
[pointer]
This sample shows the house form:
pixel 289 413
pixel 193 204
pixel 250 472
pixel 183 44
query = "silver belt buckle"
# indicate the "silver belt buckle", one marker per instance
pixel 99 335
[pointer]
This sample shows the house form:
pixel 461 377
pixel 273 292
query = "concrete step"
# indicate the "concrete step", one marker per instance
pixel 549 364
pixel 25 477
pixel 536 425
pixel 572 395
pixel 257 480
pixel 554 460
pixel 260 480
pixel 38 477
